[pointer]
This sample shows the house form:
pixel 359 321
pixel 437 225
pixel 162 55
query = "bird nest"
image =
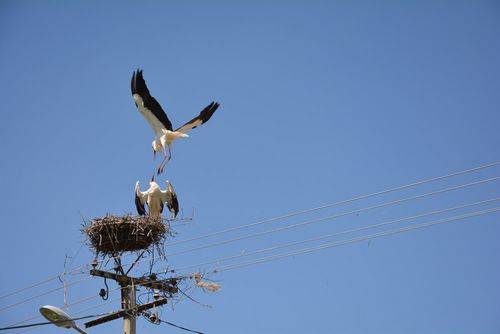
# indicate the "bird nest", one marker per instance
pixel 117 234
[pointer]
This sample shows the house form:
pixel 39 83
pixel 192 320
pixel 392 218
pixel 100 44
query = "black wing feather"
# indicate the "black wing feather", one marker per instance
pixel 141 211
pixel 204 116
pixel 139 87
pixel 174 204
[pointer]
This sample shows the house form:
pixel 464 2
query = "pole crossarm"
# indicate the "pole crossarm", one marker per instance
pixel 122 313
pixel 168 285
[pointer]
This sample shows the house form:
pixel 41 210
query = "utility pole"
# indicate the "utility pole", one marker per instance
pixel 129 309
pixel 128 303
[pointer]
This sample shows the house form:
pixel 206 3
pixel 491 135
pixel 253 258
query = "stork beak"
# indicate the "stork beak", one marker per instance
pixel 152 178
pixel 154 154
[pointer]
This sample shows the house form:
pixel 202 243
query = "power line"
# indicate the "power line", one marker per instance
pixel 177 326
pixel 43 281
pixel 180 327
pixel 79 301
pixel 332 217
pixel 231 229
pixel 295 243
pixel 91 297
pixel 281 217
pixel 74 313
pixel 35 316
pixel 52 322
pixel 97 306
pixel 72 304
pixel 87 265
pixel 279 229
pixel 42 294
pixel 336 216
pixel 470 170
pixel 353 240
pixel 29 287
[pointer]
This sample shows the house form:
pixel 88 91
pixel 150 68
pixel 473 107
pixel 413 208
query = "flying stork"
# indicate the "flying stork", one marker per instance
pixel 154 197
pixel 158 120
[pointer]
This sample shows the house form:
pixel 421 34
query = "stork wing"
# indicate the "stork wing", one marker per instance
pixel 140 199
pixel 203 117
pixel 147 105
pixel 170 197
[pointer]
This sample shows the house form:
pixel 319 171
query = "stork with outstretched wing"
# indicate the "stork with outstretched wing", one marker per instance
pixel 149 107
pixel 154 197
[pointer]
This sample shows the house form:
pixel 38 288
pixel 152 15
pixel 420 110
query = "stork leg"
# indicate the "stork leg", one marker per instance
pixel 165 160
pixel 160 167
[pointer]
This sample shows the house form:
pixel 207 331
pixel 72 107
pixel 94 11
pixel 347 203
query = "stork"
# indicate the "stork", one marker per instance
pixel 154 197
pixel 159 122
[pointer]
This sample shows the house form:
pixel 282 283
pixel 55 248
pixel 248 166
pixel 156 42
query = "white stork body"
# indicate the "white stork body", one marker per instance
pixel 154 197
pixel 164 136
pixel 158 120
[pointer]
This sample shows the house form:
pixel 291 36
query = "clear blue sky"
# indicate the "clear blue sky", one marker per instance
pixel 320 101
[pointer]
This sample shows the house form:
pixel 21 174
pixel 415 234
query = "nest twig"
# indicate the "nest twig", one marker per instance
pixel 116 234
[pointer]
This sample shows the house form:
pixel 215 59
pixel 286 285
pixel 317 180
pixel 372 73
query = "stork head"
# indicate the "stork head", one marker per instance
pixel 157 146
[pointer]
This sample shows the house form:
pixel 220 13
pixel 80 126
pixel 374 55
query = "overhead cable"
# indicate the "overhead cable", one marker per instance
pixel 279 229
pixel 265 221
pixel 353 240
pixel 295 243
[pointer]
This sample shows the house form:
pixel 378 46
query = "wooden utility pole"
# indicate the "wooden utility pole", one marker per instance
pixel 129 309
pixel 128 303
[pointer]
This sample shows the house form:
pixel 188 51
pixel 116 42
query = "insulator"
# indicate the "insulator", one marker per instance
pixel 153 318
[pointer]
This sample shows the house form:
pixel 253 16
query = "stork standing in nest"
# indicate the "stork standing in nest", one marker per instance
pixel 154 197
pixel 159 122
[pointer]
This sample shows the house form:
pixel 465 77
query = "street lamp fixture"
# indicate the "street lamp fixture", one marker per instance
pixel 59 318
